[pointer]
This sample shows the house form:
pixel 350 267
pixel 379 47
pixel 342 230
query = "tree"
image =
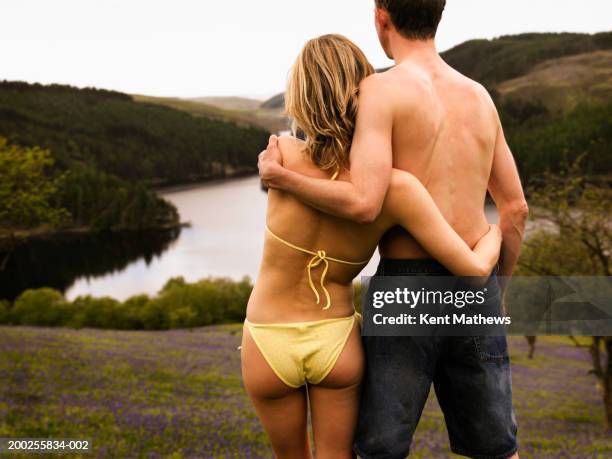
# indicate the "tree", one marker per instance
pixel 578 242
pixel 28 187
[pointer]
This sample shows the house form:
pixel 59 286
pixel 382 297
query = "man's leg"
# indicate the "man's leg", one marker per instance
pixel 395 387
pixel 474 388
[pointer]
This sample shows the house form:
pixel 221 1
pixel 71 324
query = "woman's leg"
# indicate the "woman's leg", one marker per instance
pixel 281 409
pixel 335 402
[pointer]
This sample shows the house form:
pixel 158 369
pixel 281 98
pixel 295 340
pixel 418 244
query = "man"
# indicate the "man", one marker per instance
pixel 426 118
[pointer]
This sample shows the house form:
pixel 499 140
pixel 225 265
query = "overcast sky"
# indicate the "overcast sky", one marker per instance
pixel 191 48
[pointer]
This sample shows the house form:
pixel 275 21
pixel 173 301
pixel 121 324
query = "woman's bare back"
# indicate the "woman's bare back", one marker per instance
pixel 282 292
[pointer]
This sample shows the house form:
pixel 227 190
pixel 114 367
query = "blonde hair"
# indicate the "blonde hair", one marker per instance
pixel 322 96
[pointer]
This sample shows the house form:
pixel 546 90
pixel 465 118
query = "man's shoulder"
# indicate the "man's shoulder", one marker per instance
pixel 473 87
pixel 376 82
pixel 391 77
pixel 390 88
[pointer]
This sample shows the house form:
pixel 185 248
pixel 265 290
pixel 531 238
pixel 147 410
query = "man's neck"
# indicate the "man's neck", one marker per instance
pixel 414 50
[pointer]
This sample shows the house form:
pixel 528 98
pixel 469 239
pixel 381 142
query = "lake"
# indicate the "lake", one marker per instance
pixel 225 239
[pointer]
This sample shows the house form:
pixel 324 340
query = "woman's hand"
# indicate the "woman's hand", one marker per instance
pixel 489 248
pixel 423 220
pixel 497 233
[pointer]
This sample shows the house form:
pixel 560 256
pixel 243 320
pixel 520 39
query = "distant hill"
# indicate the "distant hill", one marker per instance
pixel 198 108
pixel 125 137
pixel 277 101
pixel 230 103
pixel 270 119
pixel 561 84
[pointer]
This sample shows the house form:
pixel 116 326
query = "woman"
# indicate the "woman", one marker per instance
pixel 301 337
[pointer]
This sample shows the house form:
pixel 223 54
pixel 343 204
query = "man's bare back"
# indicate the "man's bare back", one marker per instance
pixel 444 132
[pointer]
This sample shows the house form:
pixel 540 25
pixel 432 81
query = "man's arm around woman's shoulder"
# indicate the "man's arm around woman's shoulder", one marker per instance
pixel 361 198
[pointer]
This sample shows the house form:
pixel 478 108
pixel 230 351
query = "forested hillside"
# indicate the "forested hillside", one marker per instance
pixel 37 197
pixel 135 141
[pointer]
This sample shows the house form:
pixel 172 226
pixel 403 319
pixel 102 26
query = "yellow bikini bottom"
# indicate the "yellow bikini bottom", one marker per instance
pixel 302 352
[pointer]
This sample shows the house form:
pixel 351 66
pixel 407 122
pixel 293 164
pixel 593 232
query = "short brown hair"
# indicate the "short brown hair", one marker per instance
pixel 415 19
pixel 322 97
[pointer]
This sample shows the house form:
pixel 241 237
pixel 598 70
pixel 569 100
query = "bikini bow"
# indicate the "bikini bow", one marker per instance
pixel 320 257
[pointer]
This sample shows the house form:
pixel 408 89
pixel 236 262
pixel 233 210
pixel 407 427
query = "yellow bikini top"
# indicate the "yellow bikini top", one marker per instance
pixel 318 257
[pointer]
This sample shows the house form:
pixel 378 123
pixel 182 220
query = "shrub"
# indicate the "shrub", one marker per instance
pixel 154 315
pixel 185 317
pixel 43 306
pixel 177 305
pixel 130 312
pixel 95 312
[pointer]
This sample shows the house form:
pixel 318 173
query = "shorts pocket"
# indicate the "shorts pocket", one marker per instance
pixel 491 348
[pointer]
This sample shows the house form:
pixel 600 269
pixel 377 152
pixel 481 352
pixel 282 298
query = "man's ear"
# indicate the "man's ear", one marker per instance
pixel 383 20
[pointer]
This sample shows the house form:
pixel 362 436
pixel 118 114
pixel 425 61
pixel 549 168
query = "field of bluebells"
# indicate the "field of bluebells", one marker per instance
pixel 178 394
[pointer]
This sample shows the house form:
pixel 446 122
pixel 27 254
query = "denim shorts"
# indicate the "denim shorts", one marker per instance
pixel 470 375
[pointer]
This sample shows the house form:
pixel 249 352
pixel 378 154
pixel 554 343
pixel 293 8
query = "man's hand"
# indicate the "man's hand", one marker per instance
pixel 270 163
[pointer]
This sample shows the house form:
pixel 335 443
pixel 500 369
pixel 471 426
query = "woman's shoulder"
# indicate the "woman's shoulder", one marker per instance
pixel 290 147
pixel 292 153
pixel 294 157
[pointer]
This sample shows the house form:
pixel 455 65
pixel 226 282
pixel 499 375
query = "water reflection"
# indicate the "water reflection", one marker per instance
pixel 58 263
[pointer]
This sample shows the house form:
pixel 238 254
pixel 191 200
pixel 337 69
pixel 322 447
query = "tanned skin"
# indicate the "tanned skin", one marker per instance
pixel 424 117
pixel 282 295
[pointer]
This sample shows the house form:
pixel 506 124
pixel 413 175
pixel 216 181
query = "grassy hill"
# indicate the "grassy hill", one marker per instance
pixel 561 84
pixel 269 119
pixel 230 103
pixel 199 109
pixel 553 92
pixel 275 102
